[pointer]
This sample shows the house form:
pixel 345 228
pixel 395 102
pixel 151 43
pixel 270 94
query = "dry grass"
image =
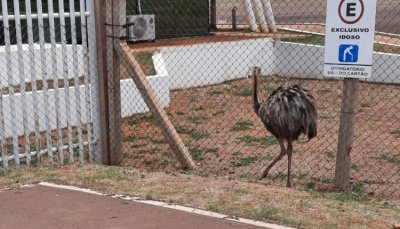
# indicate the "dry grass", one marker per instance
pixel 301 208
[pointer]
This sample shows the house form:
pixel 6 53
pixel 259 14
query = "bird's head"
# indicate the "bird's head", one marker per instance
pixel 254 71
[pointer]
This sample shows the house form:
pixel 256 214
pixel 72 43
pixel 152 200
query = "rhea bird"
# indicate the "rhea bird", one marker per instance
pixel 287 113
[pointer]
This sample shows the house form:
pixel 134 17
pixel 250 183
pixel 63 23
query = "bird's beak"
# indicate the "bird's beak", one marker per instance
pixel 253 71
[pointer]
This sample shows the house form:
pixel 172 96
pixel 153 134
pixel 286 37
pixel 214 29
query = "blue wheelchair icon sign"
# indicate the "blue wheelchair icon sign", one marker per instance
pixel 348 53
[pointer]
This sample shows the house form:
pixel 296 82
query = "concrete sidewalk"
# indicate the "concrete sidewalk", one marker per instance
pixel 47 207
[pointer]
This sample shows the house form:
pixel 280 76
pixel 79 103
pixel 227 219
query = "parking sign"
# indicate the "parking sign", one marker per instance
pixel 349 40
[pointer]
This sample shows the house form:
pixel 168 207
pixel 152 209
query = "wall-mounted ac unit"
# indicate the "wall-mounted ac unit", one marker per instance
pixel 141 27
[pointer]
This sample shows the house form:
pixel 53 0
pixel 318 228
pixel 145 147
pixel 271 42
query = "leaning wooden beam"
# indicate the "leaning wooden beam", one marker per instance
pixel 152 101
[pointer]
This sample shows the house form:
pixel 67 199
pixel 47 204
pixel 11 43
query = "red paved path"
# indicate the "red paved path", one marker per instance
pixel 44 207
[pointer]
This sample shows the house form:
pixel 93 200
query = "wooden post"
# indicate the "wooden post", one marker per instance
pixel 99 6
pixel 135 71
pixel 346 133
pixel 110 15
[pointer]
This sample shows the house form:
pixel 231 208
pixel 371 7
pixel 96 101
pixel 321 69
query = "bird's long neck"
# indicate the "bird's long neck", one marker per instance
pixel 256 103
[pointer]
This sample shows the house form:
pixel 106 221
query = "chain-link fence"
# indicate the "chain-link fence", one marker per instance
pixel 48 83
pixel 201 81
pixel 197 56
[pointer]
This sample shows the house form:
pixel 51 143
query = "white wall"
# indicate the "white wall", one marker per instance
pixel 45 110
pixel 37 63
pixel 206 64
pixel 307 61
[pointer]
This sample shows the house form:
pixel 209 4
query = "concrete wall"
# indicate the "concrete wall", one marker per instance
pixel 206 64
pixel 307 61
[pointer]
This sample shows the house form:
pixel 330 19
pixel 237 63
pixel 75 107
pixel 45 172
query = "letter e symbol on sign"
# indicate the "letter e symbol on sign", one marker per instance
pixel 351 11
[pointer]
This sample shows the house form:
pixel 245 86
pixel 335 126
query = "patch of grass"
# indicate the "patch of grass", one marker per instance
pixel 324 116
pixel 245 161
pixel 182 130
pixel 312 39
pixel 212 150
pixel 244 92
pixel 180 113
pixel 139 145
pixel 365 105
pixel 264 141
pixel 215 92
pixel 310 185
pixel 199 135
pixel 158 141
pixel 248 139
pixel 196 135
pixel 237 191
pixel 130 138
pixel 220 112
pixel 132 122
pixel 324 91
pixel 197 153
pixel 200 108
pixel 271 214
pixel 149 119
pixel 278 176
pixel 390 158
pixel 242 125
pixel 196 119
pixel 268 140
pixel 395 133
pixel 355 194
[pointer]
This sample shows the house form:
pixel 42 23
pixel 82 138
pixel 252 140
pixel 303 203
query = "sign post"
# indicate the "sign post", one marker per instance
pixel 349 40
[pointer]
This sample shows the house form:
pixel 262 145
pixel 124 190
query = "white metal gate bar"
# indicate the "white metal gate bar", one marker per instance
pixel 76 79
pixel 32 73
pixel 21 79
pixel 2 126
pixel 55 73
pixel 93 77
pixel 44 78
pixel 10 79
pixel 86 76
pixel 66 81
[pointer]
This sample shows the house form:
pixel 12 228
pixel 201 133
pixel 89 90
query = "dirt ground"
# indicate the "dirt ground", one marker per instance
pixel 225 137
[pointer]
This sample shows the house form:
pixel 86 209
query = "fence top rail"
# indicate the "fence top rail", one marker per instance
pixel 36 16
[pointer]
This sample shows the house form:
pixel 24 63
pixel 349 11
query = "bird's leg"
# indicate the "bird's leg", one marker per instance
pixel 289 154
pixel 281 154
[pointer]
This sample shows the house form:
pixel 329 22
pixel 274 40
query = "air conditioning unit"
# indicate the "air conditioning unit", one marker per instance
pixel 141 27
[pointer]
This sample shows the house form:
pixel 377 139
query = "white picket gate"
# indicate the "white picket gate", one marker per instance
pixel 49 95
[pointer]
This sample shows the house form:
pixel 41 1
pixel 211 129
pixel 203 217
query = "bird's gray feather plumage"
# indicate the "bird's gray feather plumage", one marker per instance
pixel 288 112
